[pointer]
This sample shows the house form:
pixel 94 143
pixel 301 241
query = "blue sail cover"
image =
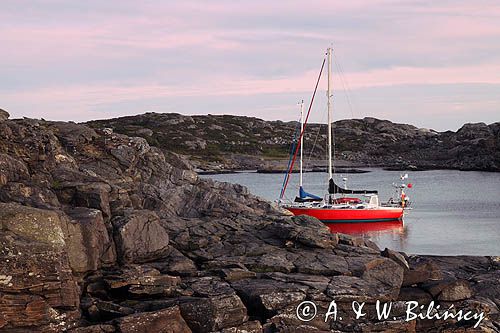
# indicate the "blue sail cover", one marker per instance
pixel 303 194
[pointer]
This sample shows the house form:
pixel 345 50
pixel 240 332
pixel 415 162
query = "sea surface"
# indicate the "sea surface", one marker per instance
pixel 453 212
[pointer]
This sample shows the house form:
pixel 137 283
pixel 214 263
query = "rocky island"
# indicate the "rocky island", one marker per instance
pixel 221 143
pixel 104 232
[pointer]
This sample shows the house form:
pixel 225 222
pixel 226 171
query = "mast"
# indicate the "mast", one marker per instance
pixel 301 139
pixel 329 104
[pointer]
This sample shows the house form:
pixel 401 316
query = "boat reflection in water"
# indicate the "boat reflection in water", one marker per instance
pixel 396 226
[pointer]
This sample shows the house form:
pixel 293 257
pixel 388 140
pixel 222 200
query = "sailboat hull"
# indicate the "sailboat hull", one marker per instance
pixel 332 215
pixel 339 210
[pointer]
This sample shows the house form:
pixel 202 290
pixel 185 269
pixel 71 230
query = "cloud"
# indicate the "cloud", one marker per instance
pixel 91 55
pixel 228 86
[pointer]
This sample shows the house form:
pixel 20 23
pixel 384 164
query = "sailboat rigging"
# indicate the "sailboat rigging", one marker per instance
pixel 334 207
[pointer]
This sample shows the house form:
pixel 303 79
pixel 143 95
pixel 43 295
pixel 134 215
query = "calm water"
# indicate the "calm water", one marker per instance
pixel 454 212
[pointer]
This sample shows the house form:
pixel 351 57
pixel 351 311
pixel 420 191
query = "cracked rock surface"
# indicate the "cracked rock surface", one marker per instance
pixel 100 232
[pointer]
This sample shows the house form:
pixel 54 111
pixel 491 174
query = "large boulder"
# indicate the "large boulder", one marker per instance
pixel 351 288
pixel 449 290
pixel 304 230
pixel 422 270
pixel 214 313
pixel 321 263
pixel 36 283
pixel 88 244
pixel 139 236
pixel 32 223
pixel 385 272
pixel 176 263
pixel 265 297
pixel 378 278
pixel 397 257
pixel 163 321
pixel 94 195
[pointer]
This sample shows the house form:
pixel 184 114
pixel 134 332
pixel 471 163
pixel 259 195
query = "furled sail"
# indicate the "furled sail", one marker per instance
pixel 305 197
pixel 334 188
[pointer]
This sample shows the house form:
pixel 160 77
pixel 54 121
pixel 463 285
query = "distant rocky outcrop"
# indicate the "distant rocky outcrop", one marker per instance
pixel 101 232
pixel 237 142
pixel 4 115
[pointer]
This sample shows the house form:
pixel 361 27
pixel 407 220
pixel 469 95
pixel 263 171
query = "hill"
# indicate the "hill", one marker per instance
pixel 221 142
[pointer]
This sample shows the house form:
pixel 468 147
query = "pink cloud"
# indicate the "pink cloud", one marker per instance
pixel 229 86
pixel 431 75
pixel 44 44
pixel 227 48
pixel 195 24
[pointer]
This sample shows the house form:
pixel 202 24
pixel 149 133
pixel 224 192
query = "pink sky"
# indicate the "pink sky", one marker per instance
pixel 70 61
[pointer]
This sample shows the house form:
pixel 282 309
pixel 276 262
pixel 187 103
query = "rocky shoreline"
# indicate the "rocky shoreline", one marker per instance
pixel 267 170
pixel 101 232
pixel 218 143
pixel 314 169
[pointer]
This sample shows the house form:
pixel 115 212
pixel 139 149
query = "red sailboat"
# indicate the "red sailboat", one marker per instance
pixel 339 205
